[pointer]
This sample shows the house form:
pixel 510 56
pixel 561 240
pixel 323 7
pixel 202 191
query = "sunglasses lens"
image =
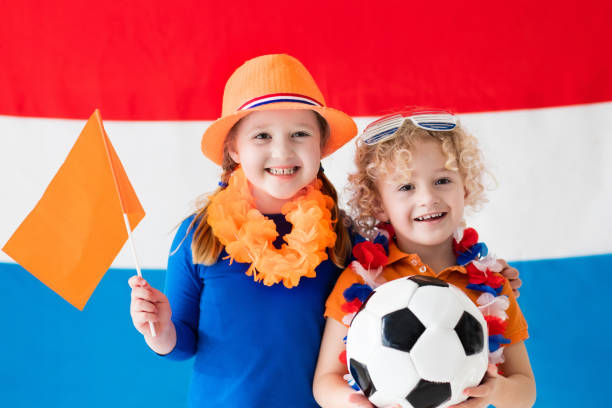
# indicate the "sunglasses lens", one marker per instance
pixel 379 137
pixel 435 121
pixel 382 129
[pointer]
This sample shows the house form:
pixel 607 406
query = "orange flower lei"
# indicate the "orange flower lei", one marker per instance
pixel 248 235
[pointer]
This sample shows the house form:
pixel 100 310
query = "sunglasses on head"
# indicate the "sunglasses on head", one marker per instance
pixel 385 127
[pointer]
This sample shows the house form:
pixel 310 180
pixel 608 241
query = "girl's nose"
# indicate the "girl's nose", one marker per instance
pixel 281 148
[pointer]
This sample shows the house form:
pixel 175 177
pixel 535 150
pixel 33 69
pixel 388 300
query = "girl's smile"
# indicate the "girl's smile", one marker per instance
pixel 285 172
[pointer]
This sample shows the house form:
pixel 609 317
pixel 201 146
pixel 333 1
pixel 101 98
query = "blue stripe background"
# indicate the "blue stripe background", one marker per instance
pixel 55 356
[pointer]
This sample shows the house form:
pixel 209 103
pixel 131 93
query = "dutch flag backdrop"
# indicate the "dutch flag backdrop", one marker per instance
pixel 532 80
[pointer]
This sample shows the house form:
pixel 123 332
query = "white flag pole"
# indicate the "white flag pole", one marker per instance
pixel 135 257
pixel 108 147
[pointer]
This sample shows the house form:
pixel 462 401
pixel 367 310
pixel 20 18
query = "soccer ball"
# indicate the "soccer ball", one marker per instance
pixel 417 342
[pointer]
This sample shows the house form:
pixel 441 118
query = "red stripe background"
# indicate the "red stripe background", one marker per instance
pixel 148 60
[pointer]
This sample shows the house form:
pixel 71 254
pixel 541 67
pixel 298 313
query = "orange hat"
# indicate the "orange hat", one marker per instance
pixel 273 82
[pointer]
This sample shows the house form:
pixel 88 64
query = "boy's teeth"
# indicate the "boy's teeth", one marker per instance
pixel 430 216
pixel 282 172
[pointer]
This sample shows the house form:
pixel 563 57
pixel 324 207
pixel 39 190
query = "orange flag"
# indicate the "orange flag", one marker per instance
pixel 76 230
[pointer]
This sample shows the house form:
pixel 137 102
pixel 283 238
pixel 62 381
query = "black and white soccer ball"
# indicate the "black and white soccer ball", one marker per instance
pixel 417 342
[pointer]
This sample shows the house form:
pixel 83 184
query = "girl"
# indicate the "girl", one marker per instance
pixel 416 173
pixel 245 291
pixel 249 273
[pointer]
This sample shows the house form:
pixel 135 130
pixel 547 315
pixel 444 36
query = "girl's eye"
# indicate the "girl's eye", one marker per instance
pixel 262 135
pixel 443 180
pixel 406 187
pixel 301 133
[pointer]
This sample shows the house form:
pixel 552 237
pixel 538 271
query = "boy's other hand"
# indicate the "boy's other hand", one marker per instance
pixel 358 400
pixel 512 274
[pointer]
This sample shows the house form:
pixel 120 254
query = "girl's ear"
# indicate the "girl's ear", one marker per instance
pixel 233 154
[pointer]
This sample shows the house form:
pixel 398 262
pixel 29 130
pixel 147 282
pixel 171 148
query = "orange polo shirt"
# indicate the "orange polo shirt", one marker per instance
pixel 401 264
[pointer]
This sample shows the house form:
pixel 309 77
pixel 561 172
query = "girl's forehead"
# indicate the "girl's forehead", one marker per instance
pixel 304 117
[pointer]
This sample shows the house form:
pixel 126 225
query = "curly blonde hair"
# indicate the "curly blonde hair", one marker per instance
pixel 394 157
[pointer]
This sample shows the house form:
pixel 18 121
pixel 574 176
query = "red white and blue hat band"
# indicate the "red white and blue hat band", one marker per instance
pixel 279 97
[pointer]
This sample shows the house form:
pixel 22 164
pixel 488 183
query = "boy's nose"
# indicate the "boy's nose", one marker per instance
pixel 427 196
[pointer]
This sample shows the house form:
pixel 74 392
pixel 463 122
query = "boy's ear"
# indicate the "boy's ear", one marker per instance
pixel 381 214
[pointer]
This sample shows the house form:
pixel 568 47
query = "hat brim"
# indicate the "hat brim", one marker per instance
pixel 342 128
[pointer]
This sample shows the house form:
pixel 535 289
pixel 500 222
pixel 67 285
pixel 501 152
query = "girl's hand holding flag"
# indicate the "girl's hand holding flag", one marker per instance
pixel 150 305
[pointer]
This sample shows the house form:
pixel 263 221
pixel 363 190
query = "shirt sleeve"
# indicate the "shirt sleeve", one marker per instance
pixel 183 289
pixel 333 306
pixel 516 330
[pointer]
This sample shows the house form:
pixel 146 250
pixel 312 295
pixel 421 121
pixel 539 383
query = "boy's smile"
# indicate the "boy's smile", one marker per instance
pixel 431 217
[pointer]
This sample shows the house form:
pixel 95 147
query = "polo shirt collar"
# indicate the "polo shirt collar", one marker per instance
pixel 396 254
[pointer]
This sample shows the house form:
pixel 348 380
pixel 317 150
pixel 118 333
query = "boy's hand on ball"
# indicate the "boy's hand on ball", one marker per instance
pixel 512 274
pixel 482 395
pixel 358 400
pixel 148 305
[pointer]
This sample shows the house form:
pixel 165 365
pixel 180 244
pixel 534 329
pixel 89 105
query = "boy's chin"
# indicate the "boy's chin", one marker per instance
pixel 432 240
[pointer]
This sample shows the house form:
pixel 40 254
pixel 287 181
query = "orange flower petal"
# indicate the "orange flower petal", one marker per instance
pixel 248 235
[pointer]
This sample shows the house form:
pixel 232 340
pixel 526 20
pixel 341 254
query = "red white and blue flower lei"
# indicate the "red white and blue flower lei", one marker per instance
pixel 483 276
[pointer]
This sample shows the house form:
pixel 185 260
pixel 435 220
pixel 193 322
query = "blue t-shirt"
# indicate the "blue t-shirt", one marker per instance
pixel 254 345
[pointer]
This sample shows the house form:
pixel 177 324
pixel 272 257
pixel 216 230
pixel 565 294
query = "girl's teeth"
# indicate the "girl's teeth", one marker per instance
pixel 282 172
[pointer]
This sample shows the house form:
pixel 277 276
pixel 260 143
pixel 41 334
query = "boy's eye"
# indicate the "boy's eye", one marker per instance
pixel 406 187
pixel 443 180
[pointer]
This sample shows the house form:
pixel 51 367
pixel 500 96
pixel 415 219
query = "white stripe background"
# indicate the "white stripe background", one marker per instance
pixel 552 168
